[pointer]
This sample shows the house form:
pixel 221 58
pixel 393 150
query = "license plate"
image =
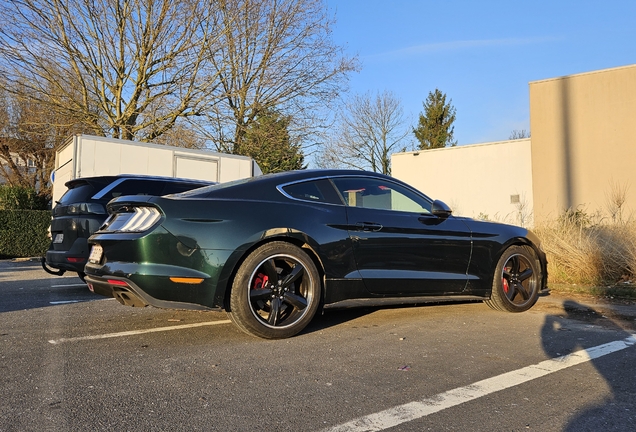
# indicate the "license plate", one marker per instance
pixel 96 254
pixel 59 238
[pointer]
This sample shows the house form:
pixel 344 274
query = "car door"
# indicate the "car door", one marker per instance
pixel 400 247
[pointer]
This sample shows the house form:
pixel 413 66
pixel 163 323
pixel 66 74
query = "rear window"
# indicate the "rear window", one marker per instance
pixel 144 187
pixel 134 187
pixel 82 192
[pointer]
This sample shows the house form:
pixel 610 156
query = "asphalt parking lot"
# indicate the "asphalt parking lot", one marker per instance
pixel 71 360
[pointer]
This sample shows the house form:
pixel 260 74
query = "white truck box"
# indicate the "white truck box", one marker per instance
pixel 90 156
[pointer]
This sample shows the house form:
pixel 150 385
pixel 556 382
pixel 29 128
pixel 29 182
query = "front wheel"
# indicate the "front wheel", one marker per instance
pixel 276 291
pixel 517 280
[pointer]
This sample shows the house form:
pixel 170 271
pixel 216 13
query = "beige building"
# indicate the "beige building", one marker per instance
pixel 583 141
pixel 581 156
pixel 489 181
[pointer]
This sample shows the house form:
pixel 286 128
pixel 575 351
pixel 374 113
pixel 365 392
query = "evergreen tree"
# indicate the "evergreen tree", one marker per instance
pixel 268 142
pixel 435 127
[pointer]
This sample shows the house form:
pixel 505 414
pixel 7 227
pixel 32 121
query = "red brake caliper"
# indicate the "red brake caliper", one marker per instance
pixel 506 287
pixel 260 281
pixel 504 281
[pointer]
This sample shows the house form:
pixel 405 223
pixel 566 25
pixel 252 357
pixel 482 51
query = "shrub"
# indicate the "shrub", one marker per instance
pixel 20 197
pixel 23 233
pixel 585 253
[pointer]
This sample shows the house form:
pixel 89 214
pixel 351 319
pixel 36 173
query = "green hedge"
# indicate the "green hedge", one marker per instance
pixel 23 233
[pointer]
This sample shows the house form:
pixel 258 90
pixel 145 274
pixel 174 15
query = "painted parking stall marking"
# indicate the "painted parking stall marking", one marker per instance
pixel 137 332
pixel 421 408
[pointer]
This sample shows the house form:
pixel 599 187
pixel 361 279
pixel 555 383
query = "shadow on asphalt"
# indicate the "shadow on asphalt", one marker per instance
pixel 614 413
pixel 333 317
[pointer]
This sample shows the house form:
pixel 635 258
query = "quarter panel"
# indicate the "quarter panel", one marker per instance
pixel 214 235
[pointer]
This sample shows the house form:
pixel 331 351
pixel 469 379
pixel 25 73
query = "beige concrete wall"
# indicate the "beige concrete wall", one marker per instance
pixel 480 179
pixel 583 141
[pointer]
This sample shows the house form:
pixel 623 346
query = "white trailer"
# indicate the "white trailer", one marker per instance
pixel 89 156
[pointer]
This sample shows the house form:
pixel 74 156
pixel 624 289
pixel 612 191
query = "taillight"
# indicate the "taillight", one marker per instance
pixel 139 220
pixel 79 209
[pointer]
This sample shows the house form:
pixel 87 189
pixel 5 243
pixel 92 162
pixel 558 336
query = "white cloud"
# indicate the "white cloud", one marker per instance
pixel 457 45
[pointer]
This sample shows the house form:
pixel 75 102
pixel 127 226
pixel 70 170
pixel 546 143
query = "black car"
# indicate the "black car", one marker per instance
pixel 82 210
pixel 274 249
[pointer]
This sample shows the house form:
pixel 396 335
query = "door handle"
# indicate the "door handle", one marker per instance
pixel 368 226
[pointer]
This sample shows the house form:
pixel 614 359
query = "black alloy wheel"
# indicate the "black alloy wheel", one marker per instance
pixel 516 281
pixel 276 291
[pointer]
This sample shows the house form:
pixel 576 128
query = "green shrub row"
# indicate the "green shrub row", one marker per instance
pixel 23 233
pixel 20 197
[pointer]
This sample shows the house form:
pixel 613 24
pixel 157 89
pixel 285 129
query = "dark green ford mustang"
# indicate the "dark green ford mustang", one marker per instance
pixel 272 250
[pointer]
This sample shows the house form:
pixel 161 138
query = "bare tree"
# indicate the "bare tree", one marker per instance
pixel 370 129
pixel 275 55
pixel 519 134
pixel 124 68
pixel 29 135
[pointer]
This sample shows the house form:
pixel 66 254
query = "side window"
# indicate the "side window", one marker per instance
pixel 380 194
pixel 136 187
pixel 315 190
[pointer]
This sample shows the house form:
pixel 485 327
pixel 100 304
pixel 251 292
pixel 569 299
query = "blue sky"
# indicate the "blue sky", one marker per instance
pixel 482 54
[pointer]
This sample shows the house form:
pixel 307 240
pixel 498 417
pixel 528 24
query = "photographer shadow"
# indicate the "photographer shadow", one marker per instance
pixel 617 411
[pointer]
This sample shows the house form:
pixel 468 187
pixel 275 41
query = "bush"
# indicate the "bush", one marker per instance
pixel 21 198
pixel 23 233
pixel 580 252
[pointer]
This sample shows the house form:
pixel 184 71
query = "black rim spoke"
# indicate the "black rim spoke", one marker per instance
pixel 261 294
pixel 295 300
pixel 522 290
pixel 515 264
pixel 275 306
pixel 296 272
pixel 269 267
pixel 525 274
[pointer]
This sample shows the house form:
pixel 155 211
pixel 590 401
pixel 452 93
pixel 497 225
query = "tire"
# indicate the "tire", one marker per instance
pixel 82 276
pixel 276 291
pixel 516 281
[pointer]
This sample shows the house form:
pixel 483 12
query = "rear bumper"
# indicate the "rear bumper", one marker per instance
pixel 73 259
pixel 152 284
pixel 128 293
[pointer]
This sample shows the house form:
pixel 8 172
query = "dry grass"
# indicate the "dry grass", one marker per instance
pixel 580 252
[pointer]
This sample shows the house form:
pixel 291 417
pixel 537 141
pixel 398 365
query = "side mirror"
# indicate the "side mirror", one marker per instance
pixel 440 209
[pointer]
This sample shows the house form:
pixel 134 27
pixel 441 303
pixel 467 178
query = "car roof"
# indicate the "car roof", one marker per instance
pixel 264 187
pixel 108 179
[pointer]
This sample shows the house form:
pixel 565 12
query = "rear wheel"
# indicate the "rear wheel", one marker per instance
pixel 517 280
pixel 276 291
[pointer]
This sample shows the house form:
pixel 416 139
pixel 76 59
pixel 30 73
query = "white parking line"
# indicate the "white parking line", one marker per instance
pixel 64 302
pixel 137 332
pixel 421 408
pixel 69 285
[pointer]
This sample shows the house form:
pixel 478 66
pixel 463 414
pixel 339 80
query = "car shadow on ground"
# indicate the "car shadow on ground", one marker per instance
pixel 333 317
pixel 617 411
